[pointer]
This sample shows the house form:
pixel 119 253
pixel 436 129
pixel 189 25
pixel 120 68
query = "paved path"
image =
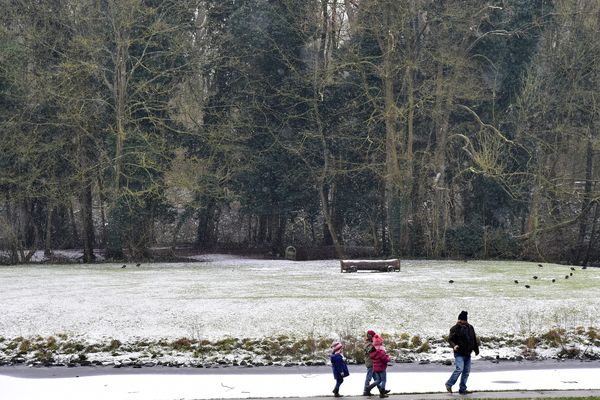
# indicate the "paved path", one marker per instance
pixel 529 394
pixel 489 382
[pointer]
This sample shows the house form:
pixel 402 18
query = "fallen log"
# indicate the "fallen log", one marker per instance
pixel 391 265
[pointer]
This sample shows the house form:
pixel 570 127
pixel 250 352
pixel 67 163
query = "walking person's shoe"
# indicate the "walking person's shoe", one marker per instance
pixel 383 393
pixel 465 392
pixel 386 391
pixel 448 388
pixel 337 394
pixel 367 393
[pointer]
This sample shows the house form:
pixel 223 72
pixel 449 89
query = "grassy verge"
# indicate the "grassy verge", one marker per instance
pixel 281 350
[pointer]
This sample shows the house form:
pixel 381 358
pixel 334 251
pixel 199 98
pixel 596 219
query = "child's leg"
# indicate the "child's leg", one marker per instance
pixel 382 380
pixel 338 383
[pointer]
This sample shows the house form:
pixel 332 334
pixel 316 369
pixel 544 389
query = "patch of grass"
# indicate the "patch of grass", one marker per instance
pixel 114 345
pixel 531 342
pixel 424 347
pixel 72 347
pixel 323 344
pixel 92 349
pixel 416 341
pixel 44 356
pixel 593 335
pixel 272 347
pixel 182 344
pixel 25 346
pixel 227 344
pixel 555 337
pixel 52 343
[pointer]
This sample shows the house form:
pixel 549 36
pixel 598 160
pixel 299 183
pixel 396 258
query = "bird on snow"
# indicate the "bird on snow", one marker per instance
pixel 527 286
pixel 584 267
pixel 534 277
pixel 540 265
pixel 572 269
pixel 553 280
pixel 124 266
pixel 138 264
pixel 566 276
pixel 571 274
pixel 450 281
pixel 516 281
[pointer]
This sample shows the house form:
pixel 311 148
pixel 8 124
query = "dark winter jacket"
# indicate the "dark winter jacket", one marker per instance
pixel 464 337
pixel 368 349
pixel 338 366
pixel 380 360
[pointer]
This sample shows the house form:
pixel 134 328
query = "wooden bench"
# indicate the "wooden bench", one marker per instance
pixel 392 265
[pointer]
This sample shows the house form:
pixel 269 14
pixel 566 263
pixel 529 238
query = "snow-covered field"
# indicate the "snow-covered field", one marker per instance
pixel 218 296
pixel 256 298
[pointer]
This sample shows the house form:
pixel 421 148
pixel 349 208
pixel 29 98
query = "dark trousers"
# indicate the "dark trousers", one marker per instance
pixel 338 383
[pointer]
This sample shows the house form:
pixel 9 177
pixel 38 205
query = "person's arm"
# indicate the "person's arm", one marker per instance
pixel 476 348
pixel 452 338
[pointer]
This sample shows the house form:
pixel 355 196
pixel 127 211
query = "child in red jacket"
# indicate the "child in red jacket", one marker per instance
pixel 380 361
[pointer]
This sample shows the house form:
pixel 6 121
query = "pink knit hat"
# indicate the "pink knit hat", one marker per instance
pixel 377 340
pixel 336 347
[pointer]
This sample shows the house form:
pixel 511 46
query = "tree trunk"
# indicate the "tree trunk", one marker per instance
pixel 587 194
pixel 262 229
pixel 87 224
pixel 339 251
pixel 103 222
pixel 48 237
pixel 593 235
pixel 205 232
pixel 393 178
pixel 73 223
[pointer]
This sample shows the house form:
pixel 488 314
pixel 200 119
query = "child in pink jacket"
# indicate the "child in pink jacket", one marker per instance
pixel 380 362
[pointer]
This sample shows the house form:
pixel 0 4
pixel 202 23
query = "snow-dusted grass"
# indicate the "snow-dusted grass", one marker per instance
pixel 256 298
pixel 247 298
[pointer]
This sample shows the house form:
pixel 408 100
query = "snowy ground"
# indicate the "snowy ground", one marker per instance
pixel 256 298
pixel 188 386
pixel 218 296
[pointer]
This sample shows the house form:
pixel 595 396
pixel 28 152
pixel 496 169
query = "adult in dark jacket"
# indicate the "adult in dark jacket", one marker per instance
pixel 380 361
pixel 463 341
pixel 338 366
pixel 368 348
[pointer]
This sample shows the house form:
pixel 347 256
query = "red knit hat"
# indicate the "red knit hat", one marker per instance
pixel 336 346
pixel 377 340
pixel 371 332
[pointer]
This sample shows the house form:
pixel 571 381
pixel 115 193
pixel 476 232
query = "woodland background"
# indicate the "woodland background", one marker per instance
pixel 413 128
